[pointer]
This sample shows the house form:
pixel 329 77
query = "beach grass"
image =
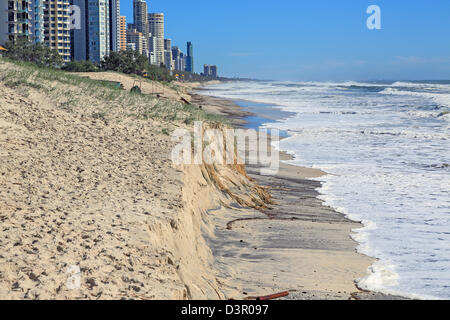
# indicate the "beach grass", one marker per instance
pixel 21 75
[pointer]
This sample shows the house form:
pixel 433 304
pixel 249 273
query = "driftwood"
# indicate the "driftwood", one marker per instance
pixel 269 297
pixel 185 101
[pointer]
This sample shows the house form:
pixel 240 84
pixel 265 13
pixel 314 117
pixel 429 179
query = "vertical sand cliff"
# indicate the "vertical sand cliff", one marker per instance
pixel 86 182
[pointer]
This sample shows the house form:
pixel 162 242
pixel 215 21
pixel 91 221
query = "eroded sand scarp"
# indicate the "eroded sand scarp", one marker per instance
pixel 78 190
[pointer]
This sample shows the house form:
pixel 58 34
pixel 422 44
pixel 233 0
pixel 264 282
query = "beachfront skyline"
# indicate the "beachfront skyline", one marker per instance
pixel 312 40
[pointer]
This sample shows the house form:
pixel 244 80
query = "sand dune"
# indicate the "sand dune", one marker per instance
pixel 98 193
pixel 92 207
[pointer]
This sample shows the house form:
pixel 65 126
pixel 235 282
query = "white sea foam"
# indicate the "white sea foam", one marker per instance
pixel 387 147
pixel 440 98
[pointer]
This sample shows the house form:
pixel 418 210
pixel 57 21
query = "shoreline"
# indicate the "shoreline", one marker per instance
pixel 287 215
pixel 88 185
pixel 92 206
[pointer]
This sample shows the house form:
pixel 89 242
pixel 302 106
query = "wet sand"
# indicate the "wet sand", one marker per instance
pixel 298 244
pixel 86 183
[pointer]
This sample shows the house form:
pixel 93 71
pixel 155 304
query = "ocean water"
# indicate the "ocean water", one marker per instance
pixel 386 146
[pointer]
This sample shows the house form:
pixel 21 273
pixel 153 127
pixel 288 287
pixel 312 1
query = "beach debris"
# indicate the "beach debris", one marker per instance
pixel 137 87
pixel 91 283
pixel 274 296
pixel 270 297
pixel 185 101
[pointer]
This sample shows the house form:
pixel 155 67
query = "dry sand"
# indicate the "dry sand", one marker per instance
pixel 77 191
pixel 148 86
pixel 102 195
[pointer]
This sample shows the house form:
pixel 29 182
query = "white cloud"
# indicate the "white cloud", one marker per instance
pixel 419 60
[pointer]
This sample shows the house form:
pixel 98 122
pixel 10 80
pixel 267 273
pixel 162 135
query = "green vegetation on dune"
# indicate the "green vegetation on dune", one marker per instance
pixel 128 62
pixel 131 62
pixel 75 93
pixel 23 50
pixel 80 66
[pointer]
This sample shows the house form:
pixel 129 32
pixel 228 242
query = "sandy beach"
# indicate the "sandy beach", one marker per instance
pixel 298 244
pixel 88 190
pixel 87 184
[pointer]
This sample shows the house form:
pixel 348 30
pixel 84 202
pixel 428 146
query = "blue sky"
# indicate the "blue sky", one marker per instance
pixel 311 39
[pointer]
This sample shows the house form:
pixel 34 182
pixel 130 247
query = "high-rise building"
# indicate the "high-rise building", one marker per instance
pixel 114 24
pixel 182 61
pixel 168 58
pixel 14 19
pixel 79 36
pixel 168 61
pixel 167 44
pixel 92 41
pixel 131 46
pixel 99 30
pixel 140 16
pixel 206 70
pixel 123 33
pixel 156 25
pixel 179 59
pixel 210 70
pixel 176 57
pixel 190 58
pixel 175 52
pixel 213 72
pixel 57 26
pixel 156 29
pixel 37 21
pixel 135 41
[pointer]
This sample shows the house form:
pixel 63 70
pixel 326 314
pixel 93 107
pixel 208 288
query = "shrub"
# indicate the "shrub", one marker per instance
pixel 131 62
pixel 24 50
pixel 80 66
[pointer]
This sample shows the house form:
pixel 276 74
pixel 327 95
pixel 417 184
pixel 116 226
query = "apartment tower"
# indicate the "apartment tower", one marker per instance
pixel 123 33
pixel 136 41
pixel 156 28
pixel 37 21
pixel 57 26
pixel 93 41
pixel 140 11
pixel 190 58
pixel 99 30
pixel 210 70
pixel 114 24
pixel 213 71
pixel 179 59
pixel 14 19
pixel 206 70
pixel 168 58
